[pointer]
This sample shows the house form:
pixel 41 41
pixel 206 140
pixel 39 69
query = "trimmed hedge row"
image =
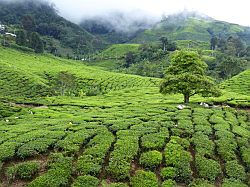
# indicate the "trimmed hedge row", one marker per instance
pixel 203 146
pixel 144 179
pixel 59 173
pixel 235 171
pixel 176 156
pixel 151 159
pixel 25 170
pixel 71 144
pixel 125 149
pixel 86 181
pixel 93 156
pixel 207 168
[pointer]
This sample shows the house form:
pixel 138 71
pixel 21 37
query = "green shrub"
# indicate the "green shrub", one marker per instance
pixel 119 184
pixel 233 183
pixel 176 156
pixel 245 152
pixel 86 181
pixel 60 169
pixel 226 145
pixel 151 159
pixel 153 141
pixel 208 169
pixel 203 145
pixel 87 164
pixel 205 129
pixel 7 150
pixel 1 166
pixel 235 171
pixel 24 170
pixel 169 183
pixel 201 183
pixel 168 173
pixel 125 149
pixel 144 179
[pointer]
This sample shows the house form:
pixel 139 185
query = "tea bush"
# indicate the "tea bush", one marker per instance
pixel 201 183
pixel 203 146
pixel 60 169
pixel 168 173
pixel 169 183
pixel 144 178
pixel 233 183
pixel 25 170
pixel 119 184
pixel 151 159
pixel 207 168
pixel 235 171
pixel 153 141
pixel 86 181
pixel 176 156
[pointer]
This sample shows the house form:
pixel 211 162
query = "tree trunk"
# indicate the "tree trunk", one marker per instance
pixel 186 98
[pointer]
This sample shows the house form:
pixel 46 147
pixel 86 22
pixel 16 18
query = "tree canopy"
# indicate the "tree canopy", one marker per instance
pixel 186 75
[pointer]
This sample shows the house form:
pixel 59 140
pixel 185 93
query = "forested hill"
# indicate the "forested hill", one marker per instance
pixel 41 17
pixel 181 26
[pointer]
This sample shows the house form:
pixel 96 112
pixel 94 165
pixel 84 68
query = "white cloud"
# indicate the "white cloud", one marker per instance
pixel 226 10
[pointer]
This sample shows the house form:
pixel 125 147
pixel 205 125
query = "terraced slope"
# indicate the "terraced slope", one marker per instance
pixel 28 75
pixel 239 83
pixel 132 137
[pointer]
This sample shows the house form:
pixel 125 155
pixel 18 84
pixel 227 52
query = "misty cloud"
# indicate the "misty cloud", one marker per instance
pixel 125 22
pixel 231 11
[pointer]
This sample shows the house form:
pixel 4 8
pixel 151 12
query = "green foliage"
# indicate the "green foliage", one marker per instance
pixel 36 76
pixel 153 141
pixel 119 184
pixel 238 84
pixel 42 17
pixel 186 75
pixel 246 155
pixel 234 183
pixel 203 146
pixel 86 181
pixel 64 83
pixel 207 168
pixel 168 173
pixel 21 38
pixel 169 183
pixel 25 170
pixel 176 156
pixel 235 171
pixel 151 159
pixel 36 43
pixel 124 151
pixel 201 183
pixel 144 178
pixel 7 150
pixel 230 66
pixel 226 145
pixel 58 174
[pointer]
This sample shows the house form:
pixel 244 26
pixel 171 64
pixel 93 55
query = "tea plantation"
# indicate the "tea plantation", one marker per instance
pixel 130 135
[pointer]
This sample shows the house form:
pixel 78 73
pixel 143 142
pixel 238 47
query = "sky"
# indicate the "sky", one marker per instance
pixel 234 11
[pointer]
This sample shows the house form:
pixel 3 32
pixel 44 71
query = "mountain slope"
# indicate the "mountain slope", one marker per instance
pixel 190 26
pixel 43 18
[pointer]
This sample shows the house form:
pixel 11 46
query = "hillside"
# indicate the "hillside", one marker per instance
pixel 59 33
pixel 190 26
pixel 239 83
pixel 30 75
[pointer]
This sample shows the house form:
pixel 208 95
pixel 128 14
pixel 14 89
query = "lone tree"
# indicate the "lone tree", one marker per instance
pixel 186 75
